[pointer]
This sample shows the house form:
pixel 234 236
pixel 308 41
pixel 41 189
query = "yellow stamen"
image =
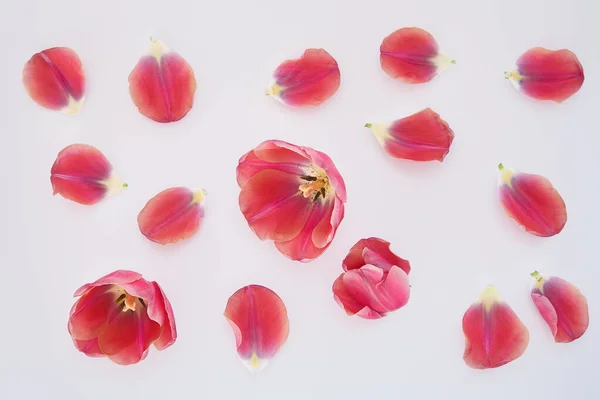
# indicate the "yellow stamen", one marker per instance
pixel 309 189
pixel 130 302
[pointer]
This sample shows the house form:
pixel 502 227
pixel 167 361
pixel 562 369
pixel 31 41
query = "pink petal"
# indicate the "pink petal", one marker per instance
pixel 267 202
pixel 532 201
pixel 260 323
pixel 411 54
pixel 127 337
pixel 494 335
pixel 376 252
pixel 89 347
pixel 162 85
pixel 172 215
pixel 316 231
pixel 371 292
pixel 54 78
pixel 119 277
pixel 92 312
pixel 82 174
pixel 422 136
pixel 308 80
pixel 271 155
pixel 545 74
pixel 563 307
pixel 292 195
pixel 167 320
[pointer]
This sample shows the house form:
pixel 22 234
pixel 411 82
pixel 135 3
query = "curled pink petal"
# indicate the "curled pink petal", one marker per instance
pixel 292 195
pixel 54 78
pixel 545 74
pixel 563 307
pixel 376 252
pixel 422 136
pixel 162 84
pixel 370 292
pixel 532 201
pixel 119 316
pixel 412 55
pixel 494 335
pixel 308 80
pixel 260 323
pixel 172 215
pixel 81 173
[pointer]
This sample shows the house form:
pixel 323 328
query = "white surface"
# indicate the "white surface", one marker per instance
pixel 445 218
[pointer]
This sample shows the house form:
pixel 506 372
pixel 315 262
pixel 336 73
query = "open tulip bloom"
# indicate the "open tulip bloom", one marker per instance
pixel 292 195
pixel 119 316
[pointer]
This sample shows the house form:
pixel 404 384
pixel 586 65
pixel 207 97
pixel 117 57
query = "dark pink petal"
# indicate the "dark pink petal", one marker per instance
pixel 563 307
pixel 371 292
pixel 422 136
pixel 411 54
pixel 162 85
pixel 54 79
pixel 81 173
pixel 172 215
pixel 306 81
pixel 292 195
pixel 545 74
pixel 376 252
pixel 494 335
pixel 532 201
pixel 260 323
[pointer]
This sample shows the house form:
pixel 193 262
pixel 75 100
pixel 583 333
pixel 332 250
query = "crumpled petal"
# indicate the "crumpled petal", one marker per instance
pixel 119 316
pixel 370 292
pixel 494 335
pixel 172 215
pixel 374 251
pixel 532 201
pixel 422 136
pixel 306 81
pixel 54 78
pixel 563 307
pixel 545 74
pixel 162 84
pixel 81 173
pixel 260 323
pixel 412 55
pixel 292 195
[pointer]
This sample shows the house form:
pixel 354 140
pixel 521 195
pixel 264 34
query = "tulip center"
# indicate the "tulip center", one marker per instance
pixel 316 183
pixel 128 302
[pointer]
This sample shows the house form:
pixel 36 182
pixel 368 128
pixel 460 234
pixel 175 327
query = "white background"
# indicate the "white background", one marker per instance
pixel 445 218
